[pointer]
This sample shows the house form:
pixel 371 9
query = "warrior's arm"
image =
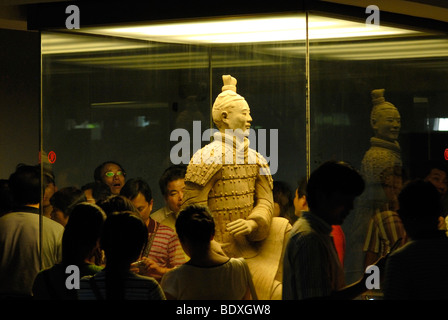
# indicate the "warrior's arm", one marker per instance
pixel 263 209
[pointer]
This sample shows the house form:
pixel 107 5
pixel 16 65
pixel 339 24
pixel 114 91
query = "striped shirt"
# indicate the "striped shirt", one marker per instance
pixel 385 228
pixel 164 246
pixel 137 287
pixel 311 266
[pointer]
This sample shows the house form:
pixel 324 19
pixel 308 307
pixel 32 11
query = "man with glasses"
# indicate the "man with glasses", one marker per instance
pixel 112 174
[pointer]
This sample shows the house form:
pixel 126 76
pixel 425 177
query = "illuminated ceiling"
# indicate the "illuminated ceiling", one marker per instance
pixel 136 47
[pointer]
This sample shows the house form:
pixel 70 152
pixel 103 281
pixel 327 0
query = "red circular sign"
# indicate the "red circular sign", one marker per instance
pixel 446 154
pixel 52 157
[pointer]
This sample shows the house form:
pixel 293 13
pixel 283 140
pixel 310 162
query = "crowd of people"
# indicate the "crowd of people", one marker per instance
pixel 124 250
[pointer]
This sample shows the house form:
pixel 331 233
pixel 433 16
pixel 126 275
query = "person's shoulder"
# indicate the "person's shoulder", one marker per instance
pixel 160 214
pixel 174 272
pixel 50 223
pixel 141 280
pixel 99 276
pixel 90 269
pixel 160 211
pixel 19 215
pixel 163 228
pixel 302 232
pixel 50 271
pixel 237 262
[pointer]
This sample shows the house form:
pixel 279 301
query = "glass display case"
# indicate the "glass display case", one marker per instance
pixel 141 94
pixel 119 92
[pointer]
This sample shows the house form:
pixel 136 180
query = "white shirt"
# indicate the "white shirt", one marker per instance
pixel 227 281
pixel 19 250
pixel 165 216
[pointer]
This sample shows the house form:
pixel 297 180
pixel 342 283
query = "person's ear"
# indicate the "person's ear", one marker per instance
pixel 151 204
pixel 304 199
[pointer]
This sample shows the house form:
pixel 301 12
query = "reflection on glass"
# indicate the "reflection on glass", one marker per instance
pixel 343 73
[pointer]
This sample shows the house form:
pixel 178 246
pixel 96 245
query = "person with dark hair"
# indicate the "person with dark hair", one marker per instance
pixel 283 201
pixel 113 204
pixel 301 204
pixel 123 238
pixel 417 271
pixel 230 276
pixel 311 265
pixel 163 251
pixel 117 203
pixel 63 201
pixel 23 250
pixel 96 191
pixel 80 242
pixel 436 172
pixel 112 174
pixel 172 185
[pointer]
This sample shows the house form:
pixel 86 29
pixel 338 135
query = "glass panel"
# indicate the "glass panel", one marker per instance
pixel 412 67
pixel 106 98
pixel 120 93
pixel 256 51
pixel 273 84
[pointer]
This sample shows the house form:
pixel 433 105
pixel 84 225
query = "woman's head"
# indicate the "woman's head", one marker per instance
pixel 123 238
pixel 82 233
pixel 117 203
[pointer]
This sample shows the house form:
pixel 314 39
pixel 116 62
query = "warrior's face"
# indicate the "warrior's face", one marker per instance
pixel 387 124
pixel 238 117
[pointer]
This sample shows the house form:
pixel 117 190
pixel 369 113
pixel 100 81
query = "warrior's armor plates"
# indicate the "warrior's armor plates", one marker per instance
pixel 234 181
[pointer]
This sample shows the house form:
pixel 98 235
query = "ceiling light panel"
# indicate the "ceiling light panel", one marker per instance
pixel 249 30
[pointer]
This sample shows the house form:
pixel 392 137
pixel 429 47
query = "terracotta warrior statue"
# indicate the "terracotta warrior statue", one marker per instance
pixel 384 153
pixel 234 181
